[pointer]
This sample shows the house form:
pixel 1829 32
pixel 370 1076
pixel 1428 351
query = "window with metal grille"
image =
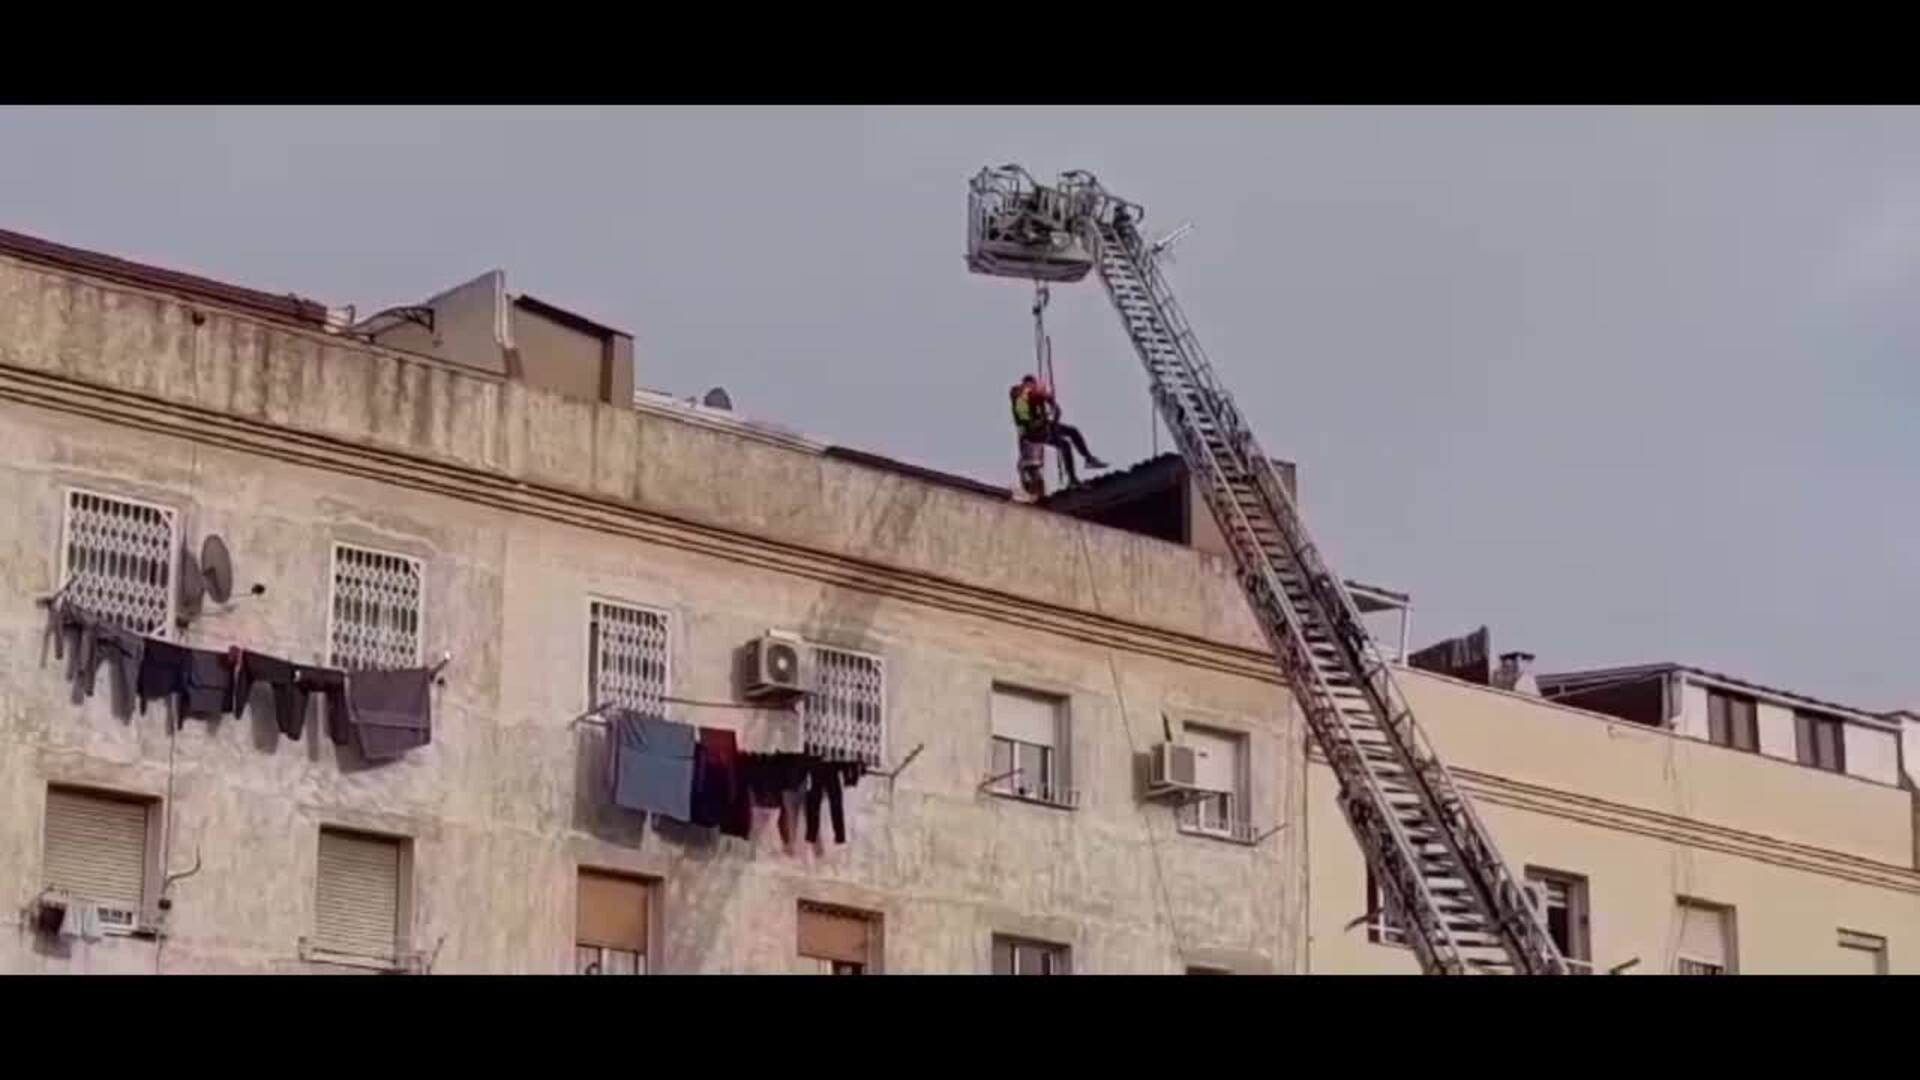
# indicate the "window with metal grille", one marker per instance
pixel 1820 741
pixel 376 609
pixel 1561 900
pixel 1024 956
pixel 610 926
pixel 96 847
pixel 117 559
pixel 1029 747
pixel 838 941
pixel 1732 721
pixel 627 657
pixel 357 894
pixel 1220 774
pixel 843 716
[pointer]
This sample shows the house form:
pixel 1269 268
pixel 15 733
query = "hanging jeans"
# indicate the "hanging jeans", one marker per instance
pixel 825 780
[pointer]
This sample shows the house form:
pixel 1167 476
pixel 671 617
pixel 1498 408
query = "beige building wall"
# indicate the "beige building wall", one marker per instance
pixel 522 505
pixel 1646 817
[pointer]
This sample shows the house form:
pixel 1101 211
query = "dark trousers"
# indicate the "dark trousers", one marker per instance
pixel 1065 439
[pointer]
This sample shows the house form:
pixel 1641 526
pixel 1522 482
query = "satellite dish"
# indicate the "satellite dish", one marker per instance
pixel 717 398
pixel 216 566
pixel 193 587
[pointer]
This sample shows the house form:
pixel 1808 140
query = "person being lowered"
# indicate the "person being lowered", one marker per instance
pixel 1036 415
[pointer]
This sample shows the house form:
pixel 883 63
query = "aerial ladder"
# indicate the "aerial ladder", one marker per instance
pixel 1440 877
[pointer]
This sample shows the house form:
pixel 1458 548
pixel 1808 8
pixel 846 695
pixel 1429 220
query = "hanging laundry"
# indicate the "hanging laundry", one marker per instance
pixel 390 712
pixel 825 779
pixel 163 672
pixel 331 685
pixel 720 798
pixel 289 704
pixel 122 651
pixel 652 764
pixel 82 921
pixel 208 690
pixel 778 782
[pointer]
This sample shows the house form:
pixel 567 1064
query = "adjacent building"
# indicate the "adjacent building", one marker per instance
pixel 477 483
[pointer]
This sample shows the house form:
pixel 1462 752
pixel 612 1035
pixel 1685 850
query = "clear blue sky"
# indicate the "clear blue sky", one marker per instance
pixel 1626 384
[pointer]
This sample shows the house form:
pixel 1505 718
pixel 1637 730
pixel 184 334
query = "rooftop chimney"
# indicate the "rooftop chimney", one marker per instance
pixel 1516 673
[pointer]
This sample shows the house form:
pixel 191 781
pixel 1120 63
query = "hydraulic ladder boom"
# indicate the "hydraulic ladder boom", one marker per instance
pixel 1437 868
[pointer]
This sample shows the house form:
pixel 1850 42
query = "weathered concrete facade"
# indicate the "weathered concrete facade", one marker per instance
pixel 521 505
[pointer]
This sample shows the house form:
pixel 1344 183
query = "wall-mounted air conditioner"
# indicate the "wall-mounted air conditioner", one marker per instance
pixel 1170 770
pixel 774 668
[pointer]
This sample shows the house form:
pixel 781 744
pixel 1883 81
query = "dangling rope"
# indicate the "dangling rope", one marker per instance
pixel 1043 363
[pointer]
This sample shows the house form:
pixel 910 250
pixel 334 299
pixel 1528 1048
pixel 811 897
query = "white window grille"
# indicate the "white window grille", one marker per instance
pixel 117 558
pixel 376 609
pixel 843 716
pixel 627 657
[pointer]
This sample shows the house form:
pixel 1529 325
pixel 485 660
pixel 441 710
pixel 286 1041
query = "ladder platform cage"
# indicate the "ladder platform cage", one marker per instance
pixel 1020 228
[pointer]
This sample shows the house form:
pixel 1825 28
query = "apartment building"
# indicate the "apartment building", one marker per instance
pixel 476 483
pixel 551 544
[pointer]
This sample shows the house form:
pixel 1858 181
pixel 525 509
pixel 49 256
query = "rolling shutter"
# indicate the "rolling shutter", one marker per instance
pixel 1703 934
pixel 826 934
pixel 357 898
pixel 96 847
pixel 1026 717
pixel 612 912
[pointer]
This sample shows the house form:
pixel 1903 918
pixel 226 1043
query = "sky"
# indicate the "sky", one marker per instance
pixel 1625 385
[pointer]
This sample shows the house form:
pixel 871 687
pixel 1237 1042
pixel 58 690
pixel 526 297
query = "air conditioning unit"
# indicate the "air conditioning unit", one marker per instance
pixel 774 668
pixel 1170 770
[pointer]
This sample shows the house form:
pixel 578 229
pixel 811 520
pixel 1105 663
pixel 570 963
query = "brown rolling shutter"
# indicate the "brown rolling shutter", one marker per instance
pixel 96 847
pixel 357 897
pixel 612 912
pixel 826 934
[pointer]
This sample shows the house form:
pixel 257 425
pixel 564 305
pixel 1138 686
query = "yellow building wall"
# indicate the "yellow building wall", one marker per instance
pixel 1646 817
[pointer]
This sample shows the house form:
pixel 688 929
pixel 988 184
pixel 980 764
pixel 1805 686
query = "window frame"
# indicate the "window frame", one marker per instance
pixel 150 870
pixel 1058 955
pixel 168 628
pixel 318 951
pixel 419 566
pixel 875 922
pixel 1056 785
pixel 1729 940
pixel 805 704
pixel 1578 950
pixel 1807 726
pixel 643 959
pixel 595 601
pixel 1725 722
pixel 1860 941
pixel 1237 827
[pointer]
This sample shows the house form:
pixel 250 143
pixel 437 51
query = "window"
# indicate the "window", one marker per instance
pixel 1561 900
pixel 357 895
pixel 376 609
pixel 610 924
pixel 1732 721
pixel 1029 758
pixel 96 846
pixel 1384 926
pixel 844 715
pixel 1219 771
pixel 1021 956
pixel 1208 971
pixel 1862 954
pixel 1706 939
pixel 1821 741
pixel 838 941
pixel 117 558
pixel 626 657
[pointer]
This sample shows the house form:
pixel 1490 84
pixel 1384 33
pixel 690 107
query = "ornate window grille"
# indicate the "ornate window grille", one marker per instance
pixel 627 656
pixel 376 609
pixel 843 714
pixel 117 558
